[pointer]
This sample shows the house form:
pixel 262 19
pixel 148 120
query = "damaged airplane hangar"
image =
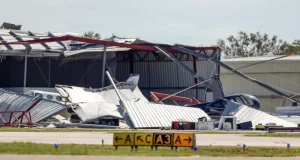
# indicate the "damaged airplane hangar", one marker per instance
pixel 126 103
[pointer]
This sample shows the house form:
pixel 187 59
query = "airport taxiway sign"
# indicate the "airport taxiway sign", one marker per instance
pixel 183 140
pixel 123 139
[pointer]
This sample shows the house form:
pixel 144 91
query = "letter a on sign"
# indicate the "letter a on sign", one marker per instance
pixel 159 140
pixel 123 139
pixel 178 140
pixel 183 140
pixel 127 139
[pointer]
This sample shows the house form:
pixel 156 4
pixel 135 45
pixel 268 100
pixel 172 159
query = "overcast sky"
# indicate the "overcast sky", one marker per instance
pixel 191 22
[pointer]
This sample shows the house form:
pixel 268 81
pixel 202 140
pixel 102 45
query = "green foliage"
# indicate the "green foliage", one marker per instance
pixel 252 44
pixel 294 47
pixel 91 35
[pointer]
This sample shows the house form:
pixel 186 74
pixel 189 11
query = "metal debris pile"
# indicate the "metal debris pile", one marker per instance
pixel 120 105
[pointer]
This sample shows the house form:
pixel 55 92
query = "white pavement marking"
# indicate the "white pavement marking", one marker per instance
pixel 96 137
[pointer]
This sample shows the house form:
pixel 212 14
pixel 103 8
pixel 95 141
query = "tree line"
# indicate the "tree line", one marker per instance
pixel 256 44
pixel 245 44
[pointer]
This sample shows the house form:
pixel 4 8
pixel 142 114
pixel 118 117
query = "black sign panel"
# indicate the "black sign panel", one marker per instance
pixel 163 139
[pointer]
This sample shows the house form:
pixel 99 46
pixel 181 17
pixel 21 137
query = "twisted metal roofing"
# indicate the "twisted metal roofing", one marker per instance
pixel 150 115
pixel 39 109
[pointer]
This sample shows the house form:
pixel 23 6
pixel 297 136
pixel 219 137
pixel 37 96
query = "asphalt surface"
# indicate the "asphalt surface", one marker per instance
pixel 30 157
pixel 96 138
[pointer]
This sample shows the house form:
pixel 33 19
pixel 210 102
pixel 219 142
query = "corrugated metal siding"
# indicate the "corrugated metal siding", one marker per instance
pixel 288 110
pixel 269 104
pixel 245 114
pixel 22 90
pixel 45 109
pixel 122 71
pixel 149 115
pixel 164 75
pixel 271 67
pixel 233 83
pixel 282 74
pixel 185 78
pixel 143 69
pixel 10 101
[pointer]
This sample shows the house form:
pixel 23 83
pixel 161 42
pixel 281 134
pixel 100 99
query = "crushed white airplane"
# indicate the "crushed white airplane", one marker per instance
pixel 93 104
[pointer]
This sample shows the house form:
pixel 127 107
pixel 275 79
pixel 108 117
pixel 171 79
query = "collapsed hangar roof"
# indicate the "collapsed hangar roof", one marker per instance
pixel 17 42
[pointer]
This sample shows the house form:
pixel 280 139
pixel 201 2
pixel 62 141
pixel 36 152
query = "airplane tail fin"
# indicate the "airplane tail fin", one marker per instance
pixel 134 79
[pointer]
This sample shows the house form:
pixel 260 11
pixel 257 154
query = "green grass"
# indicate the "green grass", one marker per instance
pixel 273 135
pixel 76 149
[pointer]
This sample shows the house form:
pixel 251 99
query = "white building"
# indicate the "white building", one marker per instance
pixel 282 73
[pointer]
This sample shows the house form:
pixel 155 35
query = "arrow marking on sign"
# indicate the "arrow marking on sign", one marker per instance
pixel 189 139
pixel 116 139
pixel 139 138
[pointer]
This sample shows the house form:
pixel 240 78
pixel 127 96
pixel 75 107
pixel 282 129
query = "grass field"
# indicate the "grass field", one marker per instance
pixel 273 135
pixel 75 149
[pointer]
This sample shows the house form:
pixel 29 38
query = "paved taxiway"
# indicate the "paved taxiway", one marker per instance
pixel 30 157
pixel 96 137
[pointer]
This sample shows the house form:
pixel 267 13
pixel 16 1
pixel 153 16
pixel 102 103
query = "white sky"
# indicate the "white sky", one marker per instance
pixel 191 22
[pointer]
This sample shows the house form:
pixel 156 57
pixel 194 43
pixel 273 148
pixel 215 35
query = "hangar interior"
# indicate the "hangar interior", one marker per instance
pixel 42 66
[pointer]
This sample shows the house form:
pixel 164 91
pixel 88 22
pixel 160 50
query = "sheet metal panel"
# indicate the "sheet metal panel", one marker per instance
pixel 10 101
pixel 37 49
pixel 150 115
pixel 245 114
pixel 22 90
pixel 288 110
pixel 78 94
pixel 123 71
pixel 83 95
pixel 292 119
pixel 184 78
pixel 163 74
pixel 14 103
pixel 286 65
pixel 143 68
pixel 235 84
pixel 44 109
pixel 92 111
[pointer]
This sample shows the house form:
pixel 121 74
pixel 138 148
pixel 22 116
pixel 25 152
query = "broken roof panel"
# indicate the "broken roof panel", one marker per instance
pixel 91 111
pixel 245 114
pixel 39 109
pixel 81 95
pixel 36 50
pixel 150 115
pixel 78 94
pixel 45 109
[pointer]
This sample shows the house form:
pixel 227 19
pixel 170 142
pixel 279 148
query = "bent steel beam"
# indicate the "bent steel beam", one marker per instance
pixel 264 85
pixel 218 92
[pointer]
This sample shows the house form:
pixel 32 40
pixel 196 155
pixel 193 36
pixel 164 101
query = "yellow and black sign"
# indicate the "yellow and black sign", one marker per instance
pixel 162 139
pixel 183 140
pixel 123 139
pixel 143 139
